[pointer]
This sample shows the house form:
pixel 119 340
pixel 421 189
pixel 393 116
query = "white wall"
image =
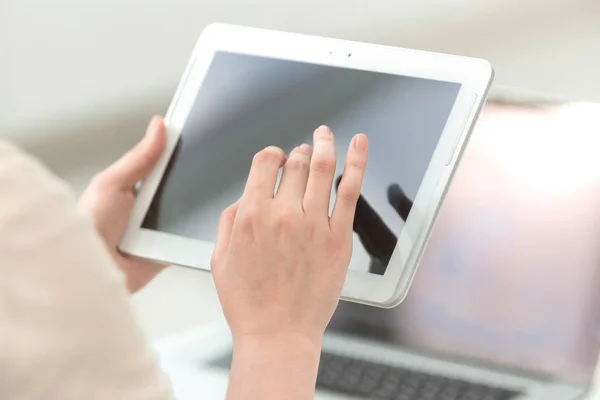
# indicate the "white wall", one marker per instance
pixel 65 58
pixel 79 79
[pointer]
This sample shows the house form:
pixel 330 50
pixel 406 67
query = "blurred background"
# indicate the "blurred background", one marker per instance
pixel 79 80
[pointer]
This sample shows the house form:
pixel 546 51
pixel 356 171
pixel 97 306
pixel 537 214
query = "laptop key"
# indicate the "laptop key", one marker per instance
pixel 372 380
pixel 383 382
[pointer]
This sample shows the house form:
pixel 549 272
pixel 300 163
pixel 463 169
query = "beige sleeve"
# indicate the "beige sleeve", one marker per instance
pixel 66 327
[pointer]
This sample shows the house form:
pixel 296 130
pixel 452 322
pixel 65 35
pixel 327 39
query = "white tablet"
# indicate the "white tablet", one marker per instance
pixel 246 88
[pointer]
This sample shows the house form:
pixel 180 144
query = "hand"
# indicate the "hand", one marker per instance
pixel 109 198
pixel 280 263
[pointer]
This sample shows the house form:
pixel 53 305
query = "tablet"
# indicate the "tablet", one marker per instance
pixel 247 88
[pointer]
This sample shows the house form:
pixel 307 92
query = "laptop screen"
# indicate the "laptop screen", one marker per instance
pixel 511 274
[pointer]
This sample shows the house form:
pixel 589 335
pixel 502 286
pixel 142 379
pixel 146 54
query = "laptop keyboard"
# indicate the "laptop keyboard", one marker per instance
pixel 371 380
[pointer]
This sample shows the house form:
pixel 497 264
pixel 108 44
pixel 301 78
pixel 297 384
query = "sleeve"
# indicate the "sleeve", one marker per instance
pixel 66 327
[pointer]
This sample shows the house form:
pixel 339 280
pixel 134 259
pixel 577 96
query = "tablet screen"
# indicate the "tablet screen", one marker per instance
pixel 248 102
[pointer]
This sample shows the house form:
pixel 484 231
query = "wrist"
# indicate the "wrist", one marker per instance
pixel 274 366
pixel 278 341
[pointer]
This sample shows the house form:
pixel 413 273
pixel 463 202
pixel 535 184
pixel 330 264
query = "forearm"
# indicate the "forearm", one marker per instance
pixel 67 329
pixel 280 368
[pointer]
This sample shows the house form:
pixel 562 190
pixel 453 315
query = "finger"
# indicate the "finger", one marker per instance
pixel 322 170
pixel 399 201
pixel 138 162
pixel 348 191
pixel 295 174
pixel 377 238
pixel 263 173
pixel 224 233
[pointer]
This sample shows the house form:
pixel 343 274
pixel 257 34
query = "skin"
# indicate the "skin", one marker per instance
pixel 280 263
pixel 280 260
pixel 109 198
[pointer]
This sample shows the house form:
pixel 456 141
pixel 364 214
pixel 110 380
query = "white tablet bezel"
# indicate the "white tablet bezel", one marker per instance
pixel 474 75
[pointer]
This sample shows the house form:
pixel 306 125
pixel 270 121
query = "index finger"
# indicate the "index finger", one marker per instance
pixel 263 173
pixel 348 191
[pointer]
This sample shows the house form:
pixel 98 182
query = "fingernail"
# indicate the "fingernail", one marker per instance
pixel 324 131
pixel 360 142
pixel 305 148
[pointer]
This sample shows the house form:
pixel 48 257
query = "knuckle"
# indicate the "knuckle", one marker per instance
pixel 269 155
pixel 348 193
pixel 285 217
pixel 324 165
pixel 297 164
pixel 146 160
pixel 250 215
pixel 226 213
pixel 217 267
pixel 215 261
pixel 358 163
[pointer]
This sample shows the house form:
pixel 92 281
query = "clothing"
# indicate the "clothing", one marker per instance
pixel 66 327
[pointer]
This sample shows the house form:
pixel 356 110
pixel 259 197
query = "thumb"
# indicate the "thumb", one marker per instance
pixel 138 162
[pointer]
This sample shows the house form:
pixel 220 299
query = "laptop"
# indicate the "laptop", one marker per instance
pixel 505 302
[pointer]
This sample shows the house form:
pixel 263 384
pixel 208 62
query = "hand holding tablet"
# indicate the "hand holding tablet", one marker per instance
pixel 246 89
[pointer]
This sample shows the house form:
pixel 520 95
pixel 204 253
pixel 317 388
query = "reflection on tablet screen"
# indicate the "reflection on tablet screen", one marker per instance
pixel 247 103
pixel 510 275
